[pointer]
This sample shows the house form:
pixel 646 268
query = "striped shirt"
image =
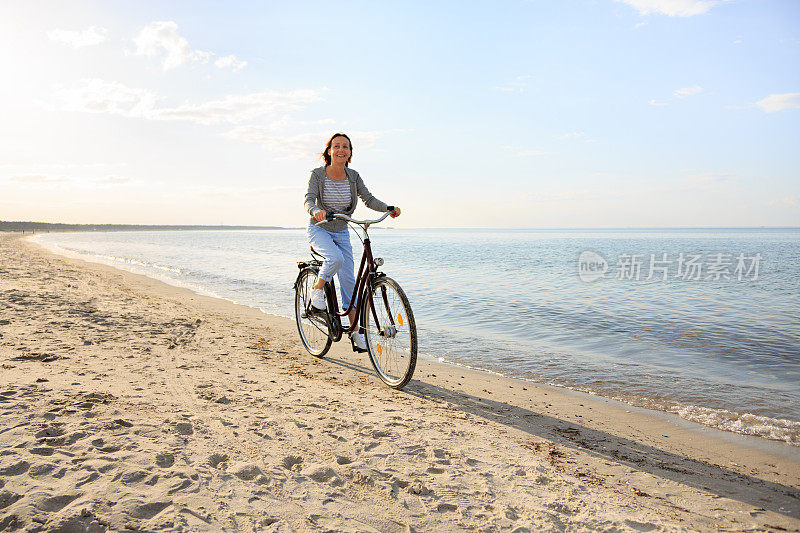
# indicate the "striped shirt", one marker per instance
pixel 336 194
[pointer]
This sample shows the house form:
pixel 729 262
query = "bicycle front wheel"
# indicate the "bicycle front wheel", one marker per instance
pixel 390 332
pixel 314 331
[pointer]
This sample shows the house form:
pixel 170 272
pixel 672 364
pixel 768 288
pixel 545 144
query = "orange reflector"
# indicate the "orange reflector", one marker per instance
pixel 399 319
pixel 380 350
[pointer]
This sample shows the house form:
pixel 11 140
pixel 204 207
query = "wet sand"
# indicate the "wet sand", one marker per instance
pixel 126 403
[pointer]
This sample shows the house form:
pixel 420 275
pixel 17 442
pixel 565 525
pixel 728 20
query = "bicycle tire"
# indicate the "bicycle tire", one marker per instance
pixel 315 333
pixel 393 352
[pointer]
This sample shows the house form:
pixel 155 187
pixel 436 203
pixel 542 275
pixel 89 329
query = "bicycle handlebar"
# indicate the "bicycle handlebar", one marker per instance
pixel 342 216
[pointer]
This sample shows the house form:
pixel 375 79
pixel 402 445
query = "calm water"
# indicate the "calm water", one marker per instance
pixel 717 341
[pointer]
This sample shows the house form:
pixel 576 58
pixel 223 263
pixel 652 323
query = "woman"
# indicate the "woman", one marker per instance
pixel 333 188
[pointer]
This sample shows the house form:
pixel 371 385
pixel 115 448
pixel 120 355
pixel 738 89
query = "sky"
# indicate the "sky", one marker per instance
pixel 527 113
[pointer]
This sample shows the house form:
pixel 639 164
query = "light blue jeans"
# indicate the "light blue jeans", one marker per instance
pixel 338 254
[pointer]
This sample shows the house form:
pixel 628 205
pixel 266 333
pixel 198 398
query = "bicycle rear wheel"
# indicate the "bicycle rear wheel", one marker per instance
pixel 390 332
pixel 313 328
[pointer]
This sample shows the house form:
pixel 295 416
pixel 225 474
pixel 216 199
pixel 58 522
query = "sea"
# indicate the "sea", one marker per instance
pixel 703 323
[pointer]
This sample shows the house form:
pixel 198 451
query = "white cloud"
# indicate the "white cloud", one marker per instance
pixel 302 146
pixel 47 167
pixel 655 103
pixel 38 179
pixel 162 37
pixel 238 108
pixel 779 102
pixel 530 153
pixel 573 135
pixel 100 96
pixel 79 38
pixel 230 61
pixel 708 177
pixel 688 91
pixel 787 201
pixel 113 180
pixel 672 8
pixel 519 85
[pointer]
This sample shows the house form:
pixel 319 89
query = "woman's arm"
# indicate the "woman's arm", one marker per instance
pixel 311 196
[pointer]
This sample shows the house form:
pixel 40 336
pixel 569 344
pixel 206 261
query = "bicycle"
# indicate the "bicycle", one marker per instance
pixel 382 313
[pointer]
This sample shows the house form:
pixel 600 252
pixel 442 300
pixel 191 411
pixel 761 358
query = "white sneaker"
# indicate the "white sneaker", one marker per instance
pixel 358 340
pixel 318 299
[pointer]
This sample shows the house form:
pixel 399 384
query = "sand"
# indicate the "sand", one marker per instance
pixel 126 403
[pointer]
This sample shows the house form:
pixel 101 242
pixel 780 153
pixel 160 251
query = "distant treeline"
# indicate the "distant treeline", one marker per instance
pixel 44 227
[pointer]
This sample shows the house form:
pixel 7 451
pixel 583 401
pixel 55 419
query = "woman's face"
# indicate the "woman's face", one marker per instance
pixel 339 150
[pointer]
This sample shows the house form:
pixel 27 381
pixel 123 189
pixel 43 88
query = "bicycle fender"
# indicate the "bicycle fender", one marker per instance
pixel 299 274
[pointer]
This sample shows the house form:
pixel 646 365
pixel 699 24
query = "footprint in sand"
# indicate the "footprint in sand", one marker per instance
pixel 165 460
pixel 15 469
pixel 291 462
pixel 41 470
pixel 322 474
pixel 184 428
pixel 49 431
pixel 88 479
pixel 245 471
pixel 149 510
pixel 218 460
pixel 52 504
pixel 85 522
pixel 129 478
pixel 418 488
pixel 10 523
pixel 42 451
pixel 7 498
pixel 104 447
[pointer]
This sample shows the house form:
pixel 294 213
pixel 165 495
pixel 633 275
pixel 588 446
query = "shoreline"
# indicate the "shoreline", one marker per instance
pixel 543 453
pixel 780 430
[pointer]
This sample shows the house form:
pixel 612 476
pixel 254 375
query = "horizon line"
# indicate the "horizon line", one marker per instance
pixel 177 227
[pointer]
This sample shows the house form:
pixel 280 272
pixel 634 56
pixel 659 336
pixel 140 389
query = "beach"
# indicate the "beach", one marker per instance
pixel 127 403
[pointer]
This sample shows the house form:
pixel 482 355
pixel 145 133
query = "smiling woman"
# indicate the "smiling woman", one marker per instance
pixel 333 188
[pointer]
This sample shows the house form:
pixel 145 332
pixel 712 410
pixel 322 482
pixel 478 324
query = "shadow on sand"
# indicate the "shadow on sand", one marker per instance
pixel 711 478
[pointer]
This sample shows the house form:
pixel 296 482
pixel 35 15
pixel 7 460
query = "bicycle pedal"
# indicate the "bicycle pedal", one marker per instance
pixel 356 348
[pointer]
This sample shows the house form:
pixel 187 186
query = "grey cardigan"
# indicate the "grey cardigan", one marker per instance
pixel 314 203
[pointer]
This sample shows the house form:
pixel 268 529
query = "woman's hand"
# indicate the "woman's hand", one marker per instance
pixel 320 215
pixel 395 213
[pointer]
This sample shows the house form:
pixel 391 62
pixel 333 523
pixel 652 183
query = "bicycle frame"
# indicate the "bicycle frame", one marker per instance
pixel 359 290
pixel 366 271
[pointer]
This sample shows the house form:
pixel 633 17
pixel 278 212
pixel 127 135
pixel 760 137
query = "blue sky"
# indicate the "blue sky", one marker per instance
pixel 506 114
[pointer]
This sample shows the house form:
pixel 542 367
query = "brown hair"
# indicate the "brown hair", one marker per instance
pixel 326 153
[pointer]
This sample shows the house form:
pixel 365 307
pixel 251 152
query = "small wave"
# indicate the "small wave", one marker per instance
pixel 778 429
pixel 743 423
pixel 137 262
